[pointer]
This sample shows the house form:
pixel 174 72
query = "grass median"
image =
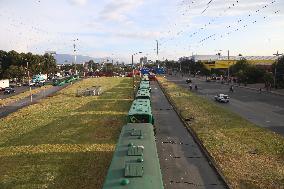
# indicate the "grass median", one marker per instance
pixel 249 156
pixel 64 141
pixel 6 101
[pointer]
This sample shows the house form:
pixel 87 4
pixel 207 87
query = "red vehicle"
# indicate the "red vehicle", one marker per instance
pixel 152 77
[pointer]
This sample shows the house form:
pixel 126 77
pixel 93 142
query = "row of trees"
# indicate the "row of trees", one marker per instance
pixel 279 68
pixel 248 73
pixel 188 66
pixel 16 65
pixel 242 70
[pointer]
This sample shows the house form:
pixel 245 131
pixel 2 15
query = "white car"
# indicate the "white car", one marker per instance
pixel 222 98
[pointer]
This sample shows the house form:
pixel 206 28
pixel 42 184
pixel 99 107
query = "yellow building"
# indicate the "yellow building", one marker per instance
pixel 224 64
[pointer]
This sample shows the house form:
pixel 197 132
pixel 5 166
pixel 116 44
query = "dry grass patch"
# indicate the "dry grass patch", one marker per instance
pixel 64 141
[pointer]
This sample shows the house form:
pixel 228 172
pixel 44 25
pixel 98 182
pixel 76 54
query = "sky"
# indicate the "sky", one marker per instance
pixel 120 28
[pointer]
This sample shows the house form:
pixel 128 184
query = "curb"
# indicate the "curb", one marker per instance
pixel 254 89
pixel 210 159
pixel 250 88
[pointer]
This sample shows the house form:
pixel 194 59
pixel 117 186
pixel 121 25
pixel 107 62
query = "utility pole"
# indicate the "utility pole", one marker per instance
pixel 133 87
pixel 157 52
pixel 133 76
pixel 29 82
pixel 228 65
pixel 275 69
pixel 75 56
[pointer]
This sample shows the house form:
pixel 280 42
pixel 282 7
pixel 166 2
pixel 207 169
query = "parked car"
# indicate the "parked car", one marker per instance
pixel 222 98
pixel 9 90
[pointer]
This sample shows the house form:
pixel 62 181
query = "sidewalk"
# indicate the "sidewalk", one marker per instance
pixel 257 86
pixel 248 86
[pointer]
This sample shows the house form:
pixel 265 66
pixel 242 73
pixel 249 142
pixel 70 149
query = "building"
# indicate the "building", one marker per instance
pixel 223 62
pixel 143 60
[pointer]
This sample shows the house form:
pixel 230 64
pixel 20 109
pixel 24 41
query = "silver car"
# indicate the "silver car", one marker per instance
pixel 222 98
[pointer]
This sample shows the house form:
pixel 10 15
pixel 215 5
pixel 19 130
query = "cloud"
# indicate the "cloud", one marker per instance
pixel 139 35
pixel 78 2
pixel 117 10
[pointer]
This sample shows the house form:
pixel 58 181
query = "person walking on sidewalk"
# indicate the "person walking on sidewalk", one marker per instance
pixel 196 88
pixel 232 88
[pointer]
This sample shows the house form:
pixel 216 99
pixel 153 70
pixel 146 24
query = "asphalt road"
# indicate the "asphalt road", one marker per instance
pixel 18 90
pixel 6 110
pixel 263 109
pixel 183 164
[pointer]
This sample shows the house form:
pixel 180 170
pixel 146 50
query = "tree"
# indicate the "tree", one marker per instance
pixel 268 78
pixel 15 72
pixel 49 64
pixel 254 74
pixel 240 65
pixel 36 63
pixel 3 63
pixel 246 72
pixel 279 65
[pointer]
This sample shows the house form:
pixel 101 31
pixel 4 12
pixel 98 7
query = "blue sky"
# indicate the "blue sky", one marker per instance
pixel 119 28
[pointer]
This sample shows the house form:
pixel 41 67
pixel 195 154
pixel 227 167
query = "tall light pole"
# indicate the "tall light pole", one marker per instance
pixel 29 82
pixel 133 82
pixel 228 66
pixel 75 56
pixel 275 69
pixel 157 51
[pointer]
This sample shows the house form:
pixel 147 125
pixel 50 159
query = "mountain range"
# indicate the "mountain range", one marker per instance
pixel 69 59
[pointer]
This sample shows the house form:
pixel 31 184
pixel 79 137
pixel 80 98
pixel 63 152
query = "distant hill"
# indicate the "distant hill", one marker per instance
pixel 68 59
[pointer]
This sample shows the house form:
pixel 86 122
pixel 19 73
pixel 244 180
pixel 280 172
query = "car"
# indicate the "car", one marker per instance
pixel 18 84
pixel 188 81
pixel 32 84
pixel 26 84
pixel 222 98
pixel 39 84
pixel 9 90
pixel 152 77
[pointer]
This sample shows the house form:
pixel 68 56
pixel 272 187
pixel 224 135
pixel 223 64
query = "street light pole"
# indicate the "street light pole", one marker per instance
pixel 75 56
pixel 228 66
pixel 275 69
pixel 133 76
pixel 157 52
pixel 29 82
pixel 133 82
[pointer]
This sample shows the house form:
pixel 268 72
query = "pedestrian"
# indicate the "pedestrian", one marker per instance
pixel 190 87
pixel 232 88
pixel 260 90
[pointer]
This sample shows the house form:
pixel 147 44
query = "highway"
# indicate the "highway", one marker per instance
pixel 18 90
pixel 263 109
pixel 13 107
pixel 183 163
